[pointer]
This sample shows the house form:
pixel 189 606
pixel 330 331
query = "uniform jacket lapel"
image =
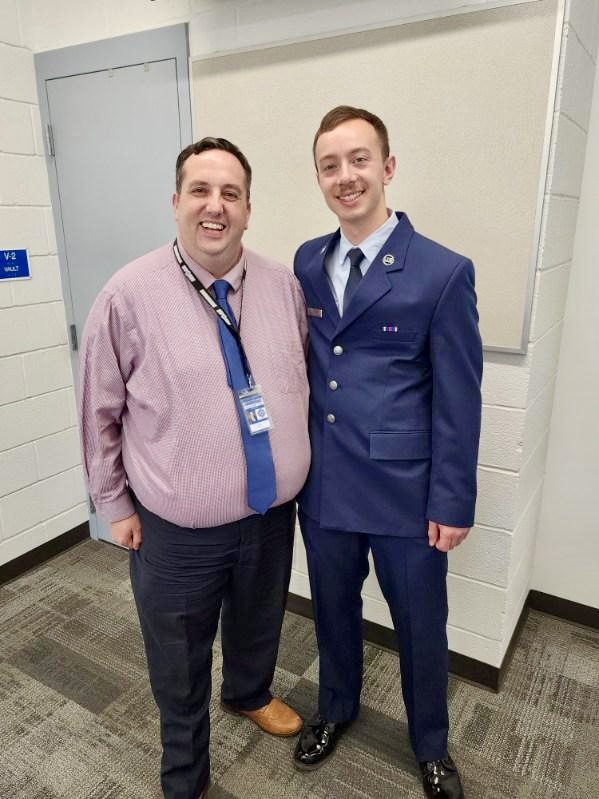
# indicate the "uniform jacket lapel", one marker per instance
pixel 376 282
pixel 319 281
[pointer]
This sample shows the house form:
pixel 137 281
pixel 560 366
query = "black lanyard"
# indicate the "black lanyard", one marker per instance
pixel 218 310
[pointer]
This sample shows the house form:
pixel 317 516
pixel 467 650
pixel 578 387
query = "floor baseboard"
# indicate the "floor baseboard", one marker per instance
pixel 35 557
pixel 460 665
pixel 564 609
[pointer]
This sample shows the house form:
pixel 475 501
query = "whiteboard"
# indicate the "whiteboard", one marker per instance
pixel 465 99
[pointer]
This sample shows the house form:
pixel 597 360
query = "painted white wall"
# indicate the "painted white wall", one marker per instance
pixel 491 573
pixel 567 549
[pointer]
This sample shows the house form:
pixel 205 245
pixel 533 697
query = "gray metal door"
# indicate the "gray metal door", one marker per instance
pixel 114 135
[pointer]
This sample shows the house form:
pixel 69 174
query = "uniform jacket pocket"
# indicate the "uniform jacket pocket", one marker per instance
pixel 400 446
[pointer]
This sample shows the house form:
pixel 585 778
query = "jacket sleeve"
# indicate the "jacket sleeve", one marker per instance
pixel 456 358
pixel 105 362
pixel 297 259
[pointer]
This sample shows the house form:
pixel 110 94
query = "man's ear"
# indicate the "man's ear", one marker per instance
pixel 389 170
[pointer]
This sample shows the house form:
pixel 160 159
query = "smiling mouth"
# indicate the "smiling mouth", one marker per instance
pixel 350 197
pixel 212 226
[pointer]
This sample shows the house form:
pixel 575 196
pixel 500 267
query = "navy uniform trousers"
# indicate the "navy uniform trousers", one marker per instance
pixel 412 576
pixel 181 580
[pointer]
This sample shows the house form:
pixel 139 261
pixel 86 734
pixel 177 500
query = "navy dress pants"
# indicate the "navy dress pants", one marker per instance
pixel 412 576
pixel 182 579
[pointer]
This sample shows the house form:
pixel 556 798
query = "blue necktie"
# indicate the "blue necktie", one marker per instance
pixel 262 487
pixel 356 256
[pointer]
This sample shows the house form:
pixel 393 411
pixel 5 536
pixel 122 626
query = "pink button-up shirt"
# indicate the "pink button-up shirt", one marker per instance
pixel 155 408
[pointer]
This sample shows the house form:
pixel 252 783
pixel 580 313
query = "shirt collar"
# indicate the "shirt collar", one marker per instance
pixel 234 276
pixel 372 244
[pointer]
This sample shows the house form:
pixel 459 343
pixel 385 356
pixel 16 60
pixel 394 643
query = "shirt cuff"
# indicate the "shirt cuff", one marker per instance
pixel 116 510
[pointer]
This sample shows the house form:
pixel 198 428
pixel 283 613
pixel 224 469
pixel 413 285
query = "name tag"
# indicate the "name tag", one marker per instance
pixel 315 312
pixel 254 410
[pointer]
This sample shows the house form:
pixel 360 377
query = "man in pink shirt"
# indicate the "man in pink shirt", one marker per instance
pixel 194 407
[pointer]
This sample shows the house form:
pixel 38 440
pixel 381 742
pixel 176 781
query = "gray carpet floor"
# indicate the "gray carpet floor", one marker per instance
pixel 77 719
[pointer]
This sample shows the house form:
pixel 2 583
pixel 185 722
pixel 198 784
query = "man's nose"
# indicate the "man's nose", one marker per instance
pixel 345 174
pixel 214 203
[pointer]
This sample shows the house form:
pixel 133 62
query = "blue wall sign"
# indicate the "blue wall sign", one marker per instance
pixel 14 265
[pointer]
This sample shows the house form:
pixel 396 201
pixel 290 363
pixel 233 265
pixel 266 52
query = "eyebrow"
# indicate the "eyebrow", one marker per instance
pixel 194 184
pixel 355 151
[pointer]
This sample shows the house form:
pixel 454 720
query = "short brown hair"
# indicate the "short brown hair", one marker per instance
pixel 345 113
pixel 212 143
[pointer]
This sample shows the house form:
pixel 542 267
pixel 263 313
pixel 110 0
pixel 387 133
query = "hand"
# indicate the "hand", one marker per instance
pixel 445 538
pixel 127 532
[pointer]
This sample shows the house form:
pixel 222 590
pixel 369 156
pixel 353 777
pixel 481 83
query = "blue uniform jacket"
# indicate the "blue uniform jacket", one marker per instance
pixel 395 389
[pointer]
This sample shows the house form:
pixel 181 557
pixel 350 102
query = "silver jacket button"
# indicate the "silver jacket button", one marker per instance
pixel 333 385
pixel 331 418
pixel 337 349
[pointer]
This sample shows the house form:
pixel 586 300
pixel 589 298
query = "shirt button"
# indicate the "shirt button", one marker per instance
pixel 331 418
pixel 333 385
pixel 337 349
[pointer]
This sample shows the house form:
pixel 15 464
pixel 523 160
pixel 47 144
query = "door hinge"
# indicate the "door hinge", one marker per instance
pixel 73 335
pixel 50 140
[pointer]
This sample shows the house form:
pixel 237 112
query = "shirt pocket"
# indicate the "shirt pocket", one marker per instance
pixel 289 367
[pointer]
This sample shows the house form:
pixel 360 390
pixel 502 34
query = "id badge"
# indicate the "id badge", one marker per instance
pixel 254 410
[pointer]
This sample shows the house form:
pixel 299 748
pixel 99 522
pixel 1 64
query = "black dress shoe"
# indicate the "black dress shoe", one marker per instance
pixel 440 779
pixel 316 743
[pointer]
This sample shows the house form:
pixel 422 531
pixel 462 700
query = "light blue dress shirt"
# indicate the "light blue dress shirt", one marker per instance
pixel 337 263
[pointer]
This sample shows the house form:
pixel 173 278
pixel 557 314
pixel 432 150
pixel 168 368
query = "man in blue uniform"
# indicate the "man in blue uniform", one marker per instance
pixel 395 366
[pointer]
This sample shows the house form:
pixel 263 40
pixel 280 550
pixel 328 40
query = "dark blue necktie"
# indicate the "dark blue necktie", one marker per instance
pixel 262 487
pixel 356 256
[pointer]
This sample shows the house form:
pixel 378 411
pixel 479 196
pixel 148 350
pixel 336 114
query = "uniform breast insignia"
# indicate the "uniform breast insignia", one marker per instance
pixel 388 259
pixel 390 329
pixel 317 312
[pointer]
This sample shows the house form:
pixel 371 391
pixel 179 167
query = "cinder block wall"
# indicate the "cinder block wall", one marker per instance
pixel 577 71
pixel 41 484
pixel 567 550
pixel 490 574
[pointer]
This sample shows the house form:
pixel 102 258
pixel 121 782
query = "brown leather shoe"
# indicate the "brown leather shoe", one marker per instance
pixel 275 718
